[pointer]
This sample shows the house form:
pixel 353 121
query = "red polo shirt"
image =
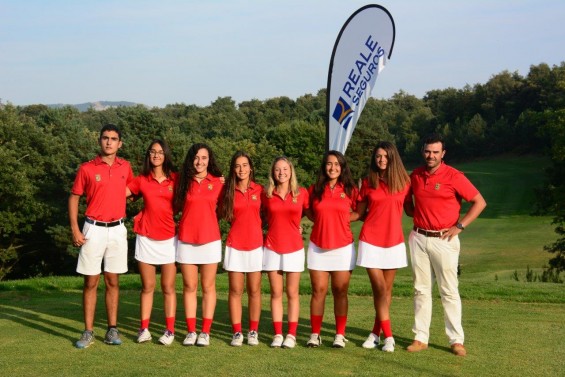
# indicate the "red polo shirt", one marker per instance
pixel 438 196
pixel 283 219
pixel 246 233
pixel 199 223
pixel 383 223
pixel 331 217
pixel 156 218
pixel 104 187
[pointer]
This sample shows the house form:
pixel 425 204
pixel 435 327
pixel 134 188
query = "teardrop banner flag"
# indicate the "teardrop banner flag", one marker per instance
pixel 361 51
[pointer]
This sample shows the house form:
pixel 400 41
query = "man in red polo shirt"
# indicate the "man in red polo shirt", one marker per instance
pixel 434 243
pixel 103 181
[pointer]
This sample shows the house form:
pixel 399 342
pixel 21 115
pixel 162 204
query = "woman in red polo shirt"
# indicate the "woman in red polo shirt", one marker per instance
pixel 241 207
pixel 381 241
pixel 331 252
pixel 284 204
pixel 199 245
pixel 156 242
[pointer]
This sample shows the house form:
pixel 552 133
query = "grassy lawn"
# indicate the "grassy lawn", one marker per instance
pixel 504 337
pixel 512 327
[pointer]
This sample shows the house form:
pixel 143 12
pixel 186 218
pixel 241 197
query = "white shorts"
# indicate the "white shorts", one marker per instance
pixel 103 244
pixel 188 253
pixel 341 259
pixel 243 261
pixel 384 258
pixel 152 251
pixel 290 262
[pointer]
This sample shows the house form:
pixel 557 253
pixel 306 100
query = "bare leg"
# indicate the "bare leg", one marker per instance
pixel 112 297
pixel 168 281
pixel 89 300
pixel 147 273
pixel 208 282
pixel 190 285
pixel 236 283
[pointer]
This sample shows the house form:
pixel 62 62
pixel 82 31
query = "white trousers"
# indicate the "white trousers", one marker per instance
pixel 435 259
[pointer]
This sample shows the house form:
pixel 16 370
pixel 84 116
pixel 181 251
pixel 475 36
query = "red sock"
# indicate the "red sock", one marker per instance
pixel 377 327
pixel 191 324
pixel 206 325
pixel 236 327
pixel 144 324
pixel 316 323
pixel 170 322
pixel 387 330
pixel 292 326
pixel 277 327
pixel 340 322
pixel 253 325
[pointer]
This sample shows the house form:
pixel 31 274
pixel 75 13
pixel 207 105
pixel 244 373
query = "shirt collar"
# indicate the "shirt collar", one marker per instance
pixel 98 160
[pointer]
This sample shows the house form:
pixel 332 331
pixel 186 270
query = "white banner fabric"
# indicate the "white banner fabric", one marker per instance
pixel 361 51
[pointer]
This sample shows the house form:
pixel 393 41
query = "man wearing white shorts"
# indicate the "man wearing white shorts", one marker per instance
pixel 103 239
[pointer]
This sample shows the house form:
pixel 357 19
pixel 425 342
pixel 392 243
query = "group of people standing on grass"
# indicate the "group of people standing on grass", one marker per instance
pixel 200 193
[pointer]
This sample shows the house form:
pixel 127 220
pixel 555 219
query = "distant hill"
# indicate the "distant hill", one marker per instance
pixel 98 106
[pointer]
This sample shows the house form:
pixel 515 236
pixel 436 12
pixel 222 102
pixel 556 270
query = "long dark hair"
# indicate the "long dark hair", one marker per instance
pixel 396 176
pixel 188 172
pixel 227 204
pixel 168 166
pixel 344 178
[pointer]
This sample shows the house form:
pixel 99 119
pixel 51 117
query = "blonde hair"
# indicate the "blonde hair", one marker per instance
pixel 272 181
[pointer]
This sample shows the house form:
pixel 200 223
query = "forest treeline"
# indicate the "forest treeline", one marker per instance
pixel 41 148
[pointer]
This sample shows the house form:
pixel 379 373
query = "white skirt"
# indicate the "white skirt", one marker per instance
pixel 152 251
pixel 341 259
pixel 188 253
pixel 384 258
pixel 291 262
pixel 243 261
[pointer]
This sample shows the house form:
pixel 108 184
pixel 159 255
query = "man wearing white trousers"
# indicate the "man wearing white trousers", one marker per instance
pixel 437 190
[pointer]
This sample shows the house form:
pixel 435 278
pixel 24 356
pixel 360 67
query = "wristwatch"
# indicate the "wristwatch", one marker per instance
pixel 460 226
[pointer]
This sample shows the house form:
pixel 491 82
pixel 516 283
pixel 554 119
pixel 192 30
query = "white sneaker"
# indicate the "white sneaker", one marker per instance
pixel 252 338
pixel 389 344
pixel 190 339
pixel 167 338
pixel 289 341
pixel 314 341
pixel 143 336
pixel 277 341
pixel 339 341
pixel 237 339
pixel 372 341
pixel 203 340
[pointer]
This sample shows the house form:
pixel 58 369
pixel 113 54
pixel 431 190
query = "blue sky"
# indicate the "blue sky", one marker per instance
pixel 164 52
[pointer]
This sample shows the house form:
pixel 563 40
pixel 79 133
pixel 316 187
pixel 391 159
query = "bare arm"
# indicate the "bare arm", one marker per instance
pixel 309 214
pixel 478 204
pixel 78 237
pixel 409 206
pixel 359 213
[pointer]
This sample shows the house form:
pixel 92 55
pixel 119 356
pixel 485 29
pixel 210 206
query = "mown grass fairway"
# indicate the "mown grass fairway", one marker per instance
pixel 512 327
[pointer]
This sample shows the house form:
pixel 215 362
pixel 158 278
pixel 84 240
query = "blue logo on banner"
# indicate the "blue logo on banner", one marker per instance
pixel 343 113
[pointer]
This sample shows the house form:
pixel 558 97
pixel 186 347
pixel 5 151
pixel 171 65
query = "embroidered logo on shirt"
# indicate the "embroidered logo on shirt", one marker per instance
pixel 253 197
pixel 437 186
pixel 171 188
pixel 210 186
pixel 342 195
pixel 97 177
